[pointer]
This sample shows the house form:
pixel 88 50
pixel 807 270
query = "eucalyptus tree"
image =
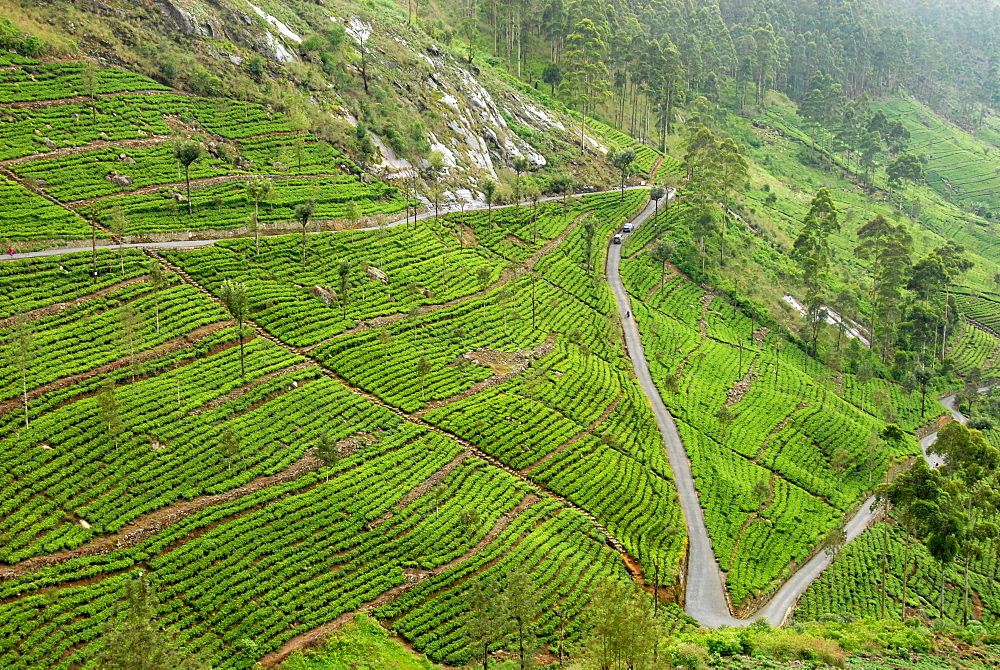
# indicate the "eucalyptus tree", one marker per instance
pixel 303 213
pixel 733 171
pixel 257 189
pixel 19 350
pixel 344 277
pixel 489 189
pixel 234 296
pixel 622 159
pixel 656 194
pixel 187 152
pixel 158 282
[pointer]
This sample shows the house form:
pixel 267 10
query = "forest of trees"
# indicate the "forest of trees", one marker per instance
pixel 732 52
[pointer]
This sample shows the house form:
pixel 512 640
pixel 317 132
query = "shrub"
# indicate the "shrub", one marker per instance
pixel 725 643
pixel 786 646
pixel 690 656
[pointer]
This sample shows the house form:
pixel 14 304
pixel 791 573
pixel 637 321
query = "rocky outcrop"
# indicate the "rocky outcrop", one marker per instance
pixel 377 275
pixel 119 180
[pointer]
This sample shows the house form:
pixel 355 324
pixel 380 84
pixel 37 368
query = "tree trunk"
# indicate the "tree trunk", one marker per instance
pixel 532 300
pixel 187 180
pixel 243 369
pixel 906 573
pixel 256 227
pixel 24 393
pixel 885 550
pixel 520 624
pixel 941 589
pixel 965 597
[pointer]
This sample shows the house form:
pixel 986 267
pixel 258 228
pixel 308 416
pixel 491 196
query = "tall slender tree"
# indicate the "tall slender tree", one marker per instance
pixel 257 189
pixel 234 296
pixel 303 213
pixel 20 352
pixel 133 639
pixel 187 152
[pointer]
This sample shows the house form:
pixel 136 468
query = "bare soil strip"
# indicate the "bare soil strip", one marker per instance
pixel 49 310
pixel 150 524
pixel 125 145
pixel 413 578
pixel 196 184
pixel 168 347
pixel 573 440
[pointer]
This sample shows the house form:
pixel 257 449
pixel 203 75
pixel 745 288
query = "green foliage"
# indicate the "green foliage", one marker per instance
pixel 361 644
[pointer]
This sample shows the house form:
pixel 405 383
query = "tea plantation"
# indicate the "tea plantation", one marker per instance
pixel 80 140
pixel 477 400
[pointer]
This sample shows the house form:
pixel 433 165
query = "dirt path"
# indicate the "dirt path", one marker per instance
pixel 656 167
pixel 159 351
pixel 312 637
pixel 85 99
pixel 49 310
pixel 41 192
pixel 523 356
pixel 424 487
pixel 576 438
pixel 660 284
pixel 124 145
pixel 196 185
pixel 777 429
pixel 609 538
pixel 240 391
pixel 382 321
pixel 150 524
pixel 505 276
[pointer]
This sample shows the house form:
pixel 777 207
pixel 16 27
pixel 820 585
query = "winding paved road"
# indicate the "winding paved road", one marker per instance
pixel 196 243
pixel 705 591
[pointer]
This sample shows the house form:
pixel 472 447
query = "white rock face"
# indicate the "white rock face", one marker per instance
pixel 279 50
pixel 390 160
pixel 851 328
pixel 449 156
pixel 287 32
pixel 478 137
pixel 193 19
pixel 356 28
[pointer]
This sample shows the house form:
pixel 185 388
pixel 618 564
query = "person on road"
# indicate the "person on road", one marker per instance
pixel 10 250
pixel 627 314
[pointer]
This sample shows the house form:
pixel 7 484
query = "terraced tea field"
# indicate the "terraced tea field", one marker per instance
pixel 81 145
pixel 959 166
pixel 649 162
pixel 148 445
pixel 787 458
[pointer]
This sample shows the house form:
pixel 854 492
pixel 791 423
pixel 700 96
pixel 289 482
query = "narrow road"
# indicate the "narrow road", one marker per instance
pixel 196 243
pixel 705 591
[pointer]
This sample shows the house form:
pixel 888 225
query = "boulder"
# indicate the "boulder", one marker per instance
pixel 49 144
pixel 376 275
pixel 324 293
pixel 118 179
pixel 190 24
pixel 125 158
